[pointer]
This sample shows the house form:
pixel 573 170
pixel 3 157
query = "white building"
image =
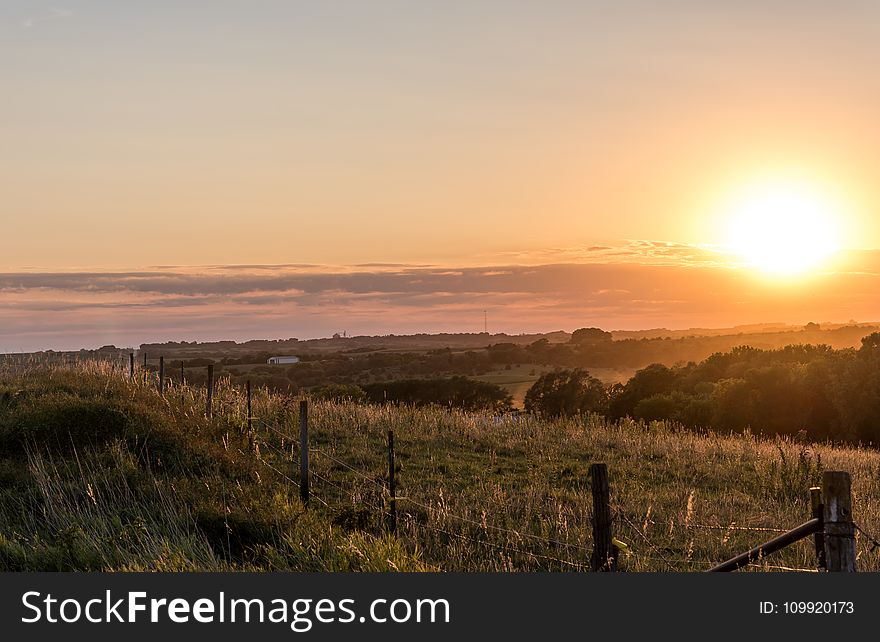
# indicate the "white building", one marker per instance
pixel 277 360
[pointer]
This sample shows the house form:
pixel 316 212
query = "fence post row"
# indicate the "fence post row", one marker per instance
pixel 209 411
pixel 831 505
pixel 304 451
pixel 604 553
pixel 392 492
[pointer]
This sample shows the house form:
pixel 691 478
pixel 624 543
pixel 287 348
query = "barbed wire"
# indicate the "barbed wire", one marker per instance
pixel 318 497
pixel 235 404
pixel 650 544
pixel 678 560
pixel 785 568
pixel 383 487
pixel 262 422
pixel 275 450
pixel 327 481
pixel 754 529
pixel 324 453
pixel 488 526
pixel 669 562
pixel 499 546
pixel 874 543
pixel 279 473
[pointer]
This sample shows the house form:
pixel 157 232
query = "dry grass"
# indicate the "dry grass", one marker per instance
pixel 480 492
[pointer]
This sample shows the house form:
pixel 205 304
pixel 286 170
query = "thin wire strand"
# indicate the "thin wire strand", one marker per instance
pixel 348 466
pixel 278 472
pixel 498 528
pixel 874 543
pixel 670 563
pixel 785 568
pixel 650 544
pixel 504 547
pixel 756 529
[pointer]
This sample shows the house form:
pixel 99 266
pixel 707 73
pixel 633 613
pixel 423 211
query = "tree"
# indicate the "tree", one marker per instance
pixel 565 393
pixel 454 392
pixel 341 392
pixel 588 336
pixel 656 379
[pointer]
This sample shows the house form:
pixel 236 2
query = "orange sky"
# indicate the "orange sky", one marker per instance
pixel 635 286
pixel 471 135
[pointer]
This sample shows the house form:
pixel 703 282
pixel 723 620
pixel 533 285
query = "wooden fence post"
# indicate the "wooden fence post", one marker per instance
pixel 392 491
pixel 145 367
pixel 304 451
pixel 819 537
pixel 249 421
pixel 840 543
pixel 604 554
pixel 209 411
pixel 131 365
pixel 182 375
pixel 162 376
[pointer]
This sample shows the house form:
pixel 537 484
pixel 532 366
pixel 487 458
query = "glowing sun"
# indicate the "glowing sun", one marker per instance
pixel 783 229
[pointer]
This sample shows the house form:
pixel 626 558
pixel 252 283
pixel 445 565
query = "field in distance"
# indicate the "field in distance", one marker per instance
pixel 519 378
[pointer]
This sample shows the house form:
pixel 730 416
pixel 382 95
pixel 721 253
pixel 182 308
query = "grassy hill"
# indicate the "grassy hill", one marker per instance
pixel 101 473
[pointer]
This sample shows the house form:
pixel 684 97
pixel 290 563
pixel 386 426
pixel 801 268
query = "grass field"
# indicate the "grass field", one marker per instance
pixel 101 473
pixel 520 378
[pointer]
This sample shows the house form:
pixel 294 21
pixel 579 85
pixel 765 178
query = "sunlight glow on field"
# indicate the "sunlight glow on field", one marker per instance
pixel 783 229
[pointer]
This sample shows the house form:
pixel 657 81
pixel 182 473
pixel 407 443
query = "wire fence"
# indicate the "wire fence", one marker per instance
pixel 276 448
pixel 376 498
pixel 646 551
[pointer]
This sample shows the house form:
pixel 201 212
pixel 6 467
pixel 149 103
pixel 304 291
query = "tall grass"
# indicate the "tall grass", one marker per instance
pixel 150 482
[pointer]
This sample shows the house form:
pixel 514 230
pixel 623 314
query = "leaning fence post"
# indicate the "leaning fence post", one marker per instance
pixel 209 411
pixel 819 537
pixel 840 544
pixel 604 555
pixel 392 492
pixel 161 375
pixel 304 451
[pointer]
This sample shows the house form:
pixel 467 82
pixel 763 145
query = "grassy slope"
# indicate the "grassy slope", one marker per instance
pixel 97 473
pixel 100 473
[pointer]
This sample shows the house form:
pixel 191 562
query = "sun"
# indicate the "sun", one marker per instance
pixel 783 229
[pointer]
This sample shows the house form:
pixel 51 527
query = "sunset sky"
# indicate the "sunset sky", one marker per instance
pixel 268 169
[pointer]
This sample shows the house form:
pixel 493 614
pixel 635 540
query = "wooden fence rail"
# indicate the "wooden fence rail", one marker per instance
pixel 831 524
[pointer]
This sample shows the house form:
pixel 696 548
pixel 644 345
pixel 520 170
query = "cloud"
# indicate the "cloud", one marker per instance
pixel 638 285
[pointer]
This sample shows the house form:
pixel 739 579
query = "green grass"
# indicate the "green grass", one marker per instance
pixel 515 381
pixel 99 473
pixel 520 378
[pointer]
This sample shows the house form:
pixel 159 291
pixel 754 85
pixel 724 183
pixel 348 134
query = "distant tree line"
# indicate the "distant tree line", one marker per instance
pixel 455 392
pixel 799 389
